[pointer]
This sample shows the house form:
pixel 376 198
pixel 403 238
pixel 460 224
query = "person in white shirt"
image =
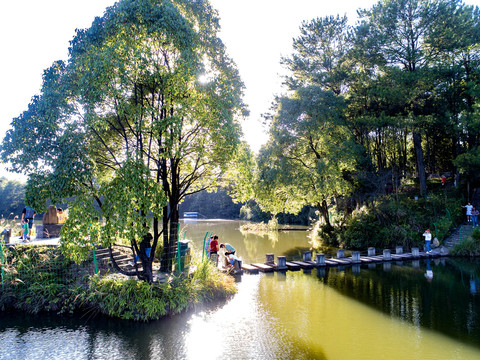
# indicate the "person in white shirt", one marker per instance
pixel 469 208
pixel 428 238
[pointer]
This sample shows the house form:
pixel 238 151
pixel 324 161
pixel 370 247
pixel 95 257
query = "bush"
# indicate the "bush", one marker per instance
pixel 469 246
pixel 386 223
pixel 41 279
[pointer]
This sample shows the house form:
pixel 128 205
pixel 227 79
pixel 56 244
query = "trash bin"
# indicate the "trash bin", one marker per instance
pixel 183 246
pixel 184 253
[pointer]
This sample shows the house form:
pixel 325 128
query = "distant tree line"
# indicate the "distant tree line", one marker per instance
pixel 220 205
pixel 12 194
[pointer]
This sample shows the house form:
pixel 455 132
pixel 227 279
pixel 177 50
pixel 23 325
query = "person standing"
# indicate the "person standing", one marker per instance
pixel 444 180
pixel 25 230
pixel 475 214
pixel 207 246
pixel 428 239
pixel 214 248
pixel 468 208
pixel 28 214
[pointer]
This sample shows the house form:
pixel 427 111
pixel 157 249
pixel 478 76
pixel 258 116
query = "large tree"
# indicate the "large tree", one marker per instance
pixel 310 156
pixel 144 112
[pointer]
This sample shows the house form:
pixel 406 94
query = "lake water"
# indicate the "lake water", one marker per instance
pixel 382 311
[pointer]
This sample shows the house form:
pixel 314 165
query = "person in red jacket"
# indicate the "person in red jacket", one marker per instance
pixel 214 247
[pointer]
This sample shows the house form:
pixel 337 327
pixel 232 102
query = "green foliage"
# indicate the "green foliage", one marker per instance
pixel 387 223
pixel 214 205
pixel 469 162
pixel 469 246
pixel 127 123
pixel 42 279
pixel 12 195
pixel 310 155
pixel 367 107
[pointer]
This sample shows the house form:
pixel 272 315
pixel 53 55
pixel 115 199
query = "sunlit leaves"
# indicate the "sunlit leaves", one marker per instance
pixel 128 125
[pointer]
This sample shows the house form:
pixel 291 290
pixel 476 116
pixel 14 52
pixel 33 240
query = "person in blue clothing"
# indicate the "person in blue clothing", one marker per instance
pixel 475 214
pixel 25 230
pixel 428 239
pixel 145 248
pixel 229 249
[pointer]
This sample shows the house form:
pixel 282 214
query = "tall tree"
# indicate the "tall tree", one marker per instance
pixel 144 113
pixel 320 55
pixel 415 37
pixel 310 156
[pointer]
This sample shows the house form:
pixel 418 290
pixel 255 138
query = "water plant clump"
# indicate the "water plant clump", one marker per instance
pixel 41 279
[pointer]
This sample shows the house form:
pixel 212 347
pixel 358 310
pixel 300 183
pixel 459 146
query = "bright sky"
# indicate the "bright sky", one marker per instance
pixel 34 33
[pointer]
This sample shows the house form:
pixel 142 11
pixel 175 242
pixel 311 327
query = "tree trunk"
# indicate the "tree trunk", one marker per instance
pixel 417 143
pixel 166 244
pixel 174 219
pixel 323 209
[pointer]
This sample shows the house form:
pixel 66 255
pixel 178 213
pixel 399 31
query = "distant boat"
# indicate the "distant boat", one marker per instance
pixel 191 215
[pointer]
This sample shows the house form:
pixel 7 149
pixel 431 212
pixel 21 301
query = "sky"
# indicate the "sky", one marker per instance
pixel 257 33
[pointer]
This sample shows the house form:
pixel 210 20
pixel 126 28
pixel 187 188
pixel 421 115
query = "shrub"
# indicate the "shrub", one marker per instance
pixel 386 223
pixel 469 246
pixel 41 279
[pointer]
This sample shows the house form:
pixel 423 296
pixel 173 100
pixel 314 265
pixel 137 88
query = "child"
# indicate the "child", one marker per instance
pixel 231 260
pixel 25 231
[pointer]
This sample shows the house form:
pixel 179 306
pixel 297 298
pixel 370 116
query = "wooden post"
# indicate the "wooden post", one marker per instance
pixel 340 254
pixel 237 266
pixel 282 262
pixel 387 255
pixel 399 250
pixel 356 257
pixel 307 256
pixel 270 259
pixel 321 259
pixel 371 251
pixel 415 252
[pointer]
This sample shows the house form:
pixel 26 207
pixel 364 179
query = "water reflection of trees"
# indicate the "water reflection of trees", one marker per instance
pixel 255 243
pixel 450 303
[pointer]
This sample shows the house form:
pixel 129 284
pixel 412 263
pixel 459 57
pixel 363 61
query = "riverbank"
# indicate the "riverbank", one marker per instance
pixel 40 279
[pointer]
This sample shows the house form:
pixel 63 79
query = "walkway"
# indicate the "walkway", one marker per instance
pixel 15 240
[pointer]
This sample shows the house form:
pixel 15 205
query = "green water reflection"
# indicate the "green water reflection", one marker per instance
pixel 381 312
pixel 251 247
pixel 447 302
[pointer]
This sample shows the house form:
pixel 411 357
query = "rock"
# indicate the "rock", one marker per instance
pixel 50 217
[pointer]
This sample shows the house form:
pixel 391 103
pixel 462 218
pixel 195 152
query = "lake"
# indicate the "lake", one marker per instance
pixel 380 311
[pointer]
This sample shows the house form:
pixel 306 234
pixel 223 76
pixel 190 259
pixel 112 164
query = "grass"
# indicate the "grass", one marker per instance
pixel 40 279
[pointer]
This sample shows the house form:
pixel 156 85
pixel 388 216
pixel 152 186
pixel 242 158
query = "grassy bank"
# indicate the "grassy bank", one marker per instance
pixel 389 221
pixel 41 279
